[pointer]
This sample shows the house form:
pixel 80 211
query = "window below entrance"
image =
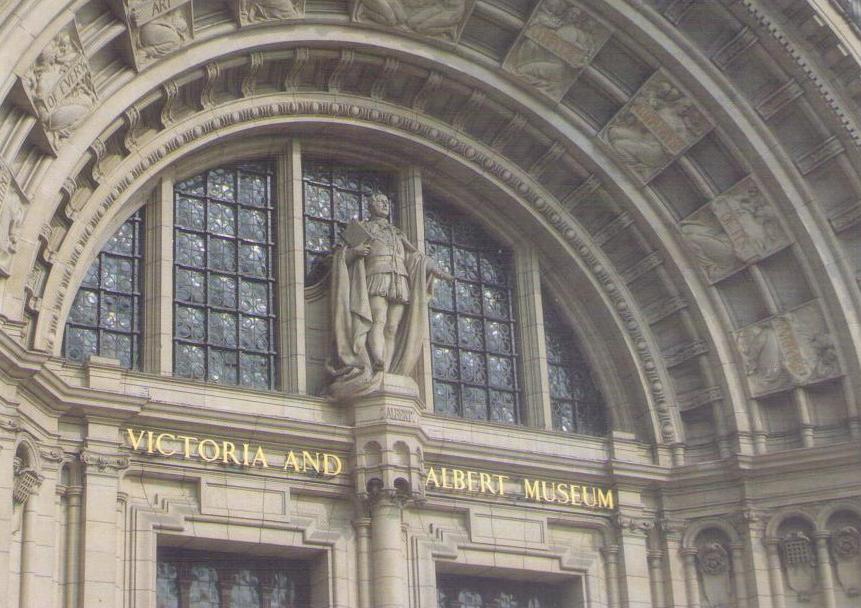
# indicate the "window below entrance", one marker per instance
pixel 479 592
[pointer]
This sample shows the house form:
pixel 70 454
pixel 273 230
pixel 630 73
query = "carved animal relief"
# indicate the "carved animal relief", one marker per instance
pixel 249 12
pixel 436 18
pixel 738 227
pixel 156 27
pixel 559 40
pixel 13 208
pixel 794 348
pixel 659 123
pixel 59 87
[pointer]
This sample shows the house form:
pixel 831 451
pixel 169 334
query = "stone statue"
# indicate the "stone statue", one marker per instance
pixel 380 285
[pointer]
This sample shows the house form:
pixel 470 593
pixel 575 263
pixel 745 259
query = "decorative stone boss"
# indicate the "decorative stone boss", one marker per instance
pixel 379 289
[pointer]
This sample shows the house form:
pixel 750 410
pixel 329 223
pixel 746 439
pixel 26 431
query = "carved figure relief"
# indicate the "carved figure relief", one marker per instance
pixel 738 227
pixel 846 552
pixel 792 348
pixel 157 28
pixel 258 11
pixel 60 87
pixel 559 40
pixel 12 212
pixel 669 117
pixel 714 572
pixel 437 18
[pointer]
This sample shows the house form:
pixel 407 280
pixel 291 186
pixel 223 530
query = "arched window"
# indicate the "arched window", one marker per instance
pixel 473 328
pixel 576 403
pixel 105 315
pixel 224 314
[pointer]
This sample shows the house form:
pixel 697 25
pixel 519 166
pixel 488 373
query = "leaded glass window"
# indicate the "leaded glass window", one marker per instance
pixel 334 195
pixel 105 315
pixel 479 592
pixel 575 401
pixel 224 314
pixel 191 579
pixel 473 330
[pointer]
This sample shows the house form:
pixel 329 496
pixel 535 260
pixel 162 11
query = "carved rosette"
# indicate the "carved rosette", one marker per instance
pixel 559 40
pixel 713 559
pixel 250 12
pixel 443 19
pixel 658 123
pixel 846 543
pixel 13 211
pixel 59 87
pixel 155 27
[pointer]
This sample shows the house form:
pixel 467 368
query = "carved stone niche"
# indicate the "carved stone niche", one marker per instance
pixel 558 41
pixel 714 569
pixel 250 12
pixel 790 349
pixel 798 560
pixel 390 467
pixel 656 125
pixel 155 27
pixel 442 19
pixel 13 211
pixel 845 548
pixel 58 88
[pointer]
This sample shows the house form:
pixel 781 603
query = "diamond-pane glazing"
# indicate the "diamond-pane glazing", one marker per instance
pixel 474 357
pixel 224 323
pixel 334 195
pixel 104 318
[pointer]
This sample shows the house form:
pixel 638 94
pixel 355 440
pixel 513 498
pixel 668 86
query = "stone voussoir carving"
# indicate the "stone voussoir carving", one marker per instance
pixel 656 125
pixel 558 41
pixel 13 210
pixel 59 87
pixel 249 12
pixel 156 27
pixel 442 19
pixel 790 349
pixel 738 227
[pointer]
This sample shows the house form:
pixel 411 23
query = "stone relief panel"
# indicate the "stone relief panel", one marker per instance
pixel 798 562
pixel 789 349
pixel 249 12
pixel 656 125
pixel 13 209
pixel 436 18
pixel 714 569
pixel 156 27
pixel 738 227
pixel 845 548
pixel 558 41
pixel 59 87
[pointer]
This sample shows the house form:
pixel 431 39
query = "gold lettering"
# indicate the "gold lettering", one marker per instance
pixel 544 496
pixel 457 479
pixel 500 479
pixel 245 455
pixel 161 450
pixel 186 452
pixel 586 500
pixel 431 478
pixel 149 443
pixel 485 484
pixel 575 495
pixel 201 450
pixel 314 460
pixel 331 471
pixel 605 501
pixel 470 480
pixel 291 461
pixel 445 483
pixel 229 451
pixel 261 457
pixel 562 494
pixel 136 443
pixel 531 490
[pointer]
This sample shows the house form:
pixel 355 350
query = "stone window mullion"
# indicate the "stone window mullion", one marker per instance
pixel 158 280
pixel 535 409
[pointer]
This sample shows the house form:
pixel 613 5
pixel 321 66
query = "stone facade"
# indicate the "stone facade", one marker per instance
pixel 680 181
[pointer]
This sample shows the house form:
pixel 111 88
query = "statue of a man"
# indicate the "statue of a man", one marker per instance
pixel 380 285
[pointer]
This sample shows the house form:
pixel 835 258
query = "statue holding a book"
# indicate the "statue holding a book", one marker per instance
pixel 380 287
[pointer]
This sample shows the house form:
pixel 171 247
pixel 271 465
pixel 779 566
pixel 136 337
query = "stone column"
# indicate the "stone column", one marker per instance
pixel 73 545
pixel 158 278
pixel 775 575
pixel 363 560
pixel 738 571
pixel 101 487
pixel 632 534
pixel 387 554
pixel 692 587
pixel 7 456
pixel 38 549
pixel 656 574
pixel 823 565
pixel 611 555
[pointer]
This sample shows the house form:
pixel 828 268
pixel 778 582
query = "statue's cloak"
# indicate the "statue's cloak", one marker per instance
pixel 350 363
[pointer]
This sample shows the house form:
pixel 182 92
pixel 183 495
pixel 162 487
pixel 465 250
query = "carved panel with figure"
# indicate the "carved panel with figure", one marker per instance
pixel 156 27
pixel 13 210
pixel 436 18
pixel 249 12
pixel 559 40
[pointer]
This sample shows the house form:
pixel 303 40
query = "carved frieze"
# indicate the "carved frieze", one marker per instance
pixel 790 349
pixel 156 27
pixel 59 87
pixel 558 41
pixel 436 18
pixel 656 125
pixel 738 227
pixel 249 12
pixel 13 210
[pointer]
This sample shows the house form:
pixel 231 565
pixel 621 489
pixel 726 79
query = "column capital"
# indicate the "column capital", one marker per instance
pixel 104 463
pixel 689 551
pixel 634 525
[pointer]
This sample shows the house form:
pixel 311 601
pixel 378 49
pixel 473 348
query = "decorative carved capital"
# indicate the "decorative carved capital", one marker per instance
pixel 104 462
pixel 635 525
pixel 672 529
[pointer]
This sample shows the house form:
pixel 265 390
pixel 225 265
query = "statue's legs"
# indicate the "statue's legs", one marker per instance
pixel 377 334
pixel 396 312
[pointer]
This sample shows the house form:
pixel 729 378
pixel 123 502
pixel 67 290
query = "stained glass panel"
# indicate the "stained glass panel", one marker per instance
pixel 474 357
pixel 334 195
pixel 224 323
pixel 479 592
pixel 104 318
